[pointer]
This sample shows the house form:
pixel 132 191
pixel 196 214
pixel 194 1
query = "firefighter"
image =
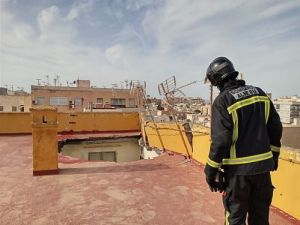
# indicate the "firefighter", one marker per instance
pixel 245 133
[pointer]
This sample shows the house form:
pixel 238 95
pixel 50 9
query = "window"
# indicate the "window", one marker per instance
pixel 78 101
pixel 63 101
pixel 100 100
pixel 1 108
pixel 40 100
pixel 14 108
pixel 277 106
pixel 21 108
pixel 105 156
pixel 98 104
pixel 132 102
pixel 118 102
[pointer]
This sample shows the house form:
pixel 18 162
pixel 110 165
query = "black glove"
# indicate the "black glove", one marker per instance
pixel 211 174
pixel 275 164
pixel 213 185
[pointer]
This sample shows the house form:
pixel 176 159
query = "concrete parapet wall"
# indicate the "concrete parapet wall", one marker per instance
pixel 286 181
pixel 98 122
pixel 290 137
pixel 16 123
pixel 201 143
pixel 172 137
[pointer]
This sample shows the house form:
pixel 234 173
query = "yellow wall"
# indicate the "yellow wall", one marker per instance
pixel 85 121
pixel 286 181
pixel 201 143
pixel 13 123
pixel 171 138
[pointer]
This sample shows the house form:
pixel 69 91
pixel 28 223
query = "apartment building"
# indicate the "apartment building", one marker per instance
pixel 288 109
pixel 83 97
pixel 18 101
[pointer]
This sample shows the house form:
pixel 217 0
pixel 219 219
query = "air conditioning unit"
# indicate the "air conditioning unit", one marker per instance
pixel 72 104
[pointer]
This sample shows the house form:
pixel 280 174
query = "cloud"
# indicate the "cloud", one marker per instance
pixel 48 16
pixel 277 9
pixel 114 54
pixel 152 40
pixel 135 5
pixel 78 8
pixel 28 53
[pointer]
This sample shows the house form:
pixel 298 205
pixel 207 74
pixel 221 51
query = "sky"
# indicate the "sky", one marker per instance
pixel 109 41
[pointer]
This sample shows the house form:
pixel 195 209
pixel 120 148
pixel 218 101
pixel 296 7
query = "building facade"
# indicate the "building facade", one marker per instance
pixel 288 108
pixel 14 101
pixel 83 97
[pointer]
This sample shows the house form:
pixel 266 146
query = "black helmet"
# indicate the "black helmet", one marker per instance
pixel 219 70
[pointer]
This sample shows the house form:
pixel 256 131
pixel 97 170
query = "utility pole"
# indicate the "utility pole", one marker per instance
pixel 211 95
pixel 241 74
pixel 211 101
pixel 56 80
pixel 47 76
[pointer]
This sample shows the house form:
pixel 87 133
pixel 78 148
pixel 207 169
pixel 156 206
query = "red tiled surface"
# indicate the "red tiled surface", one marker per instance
pixel 166 190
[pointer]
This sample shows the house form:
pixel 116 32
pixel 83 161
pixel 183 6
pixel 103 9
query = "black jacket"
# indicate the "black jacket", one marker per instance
pixel 245 131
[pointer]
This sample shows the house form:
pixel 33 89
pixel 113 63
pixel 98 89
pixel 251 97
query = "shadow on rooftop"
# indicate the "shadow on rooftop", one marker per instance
pixel 113 169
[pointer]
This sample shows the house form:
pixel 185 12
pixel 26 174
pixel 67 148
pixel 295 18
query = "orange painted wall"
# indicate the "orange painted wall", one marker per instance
pixel 14 123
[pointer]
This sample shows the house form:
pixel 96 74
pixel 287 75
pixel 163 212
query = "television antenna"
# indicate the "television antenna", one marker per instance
pixel 47 77
pixel 56 80
pixel 114 85
pixel 20 88
pixel 138 87
pixel 126 84
pixel 168 89
pixel 38 82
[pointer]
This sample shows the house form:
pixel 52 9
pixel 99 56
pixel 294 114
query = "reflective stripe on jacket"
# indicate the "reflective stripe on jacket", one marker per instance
pixel 245 130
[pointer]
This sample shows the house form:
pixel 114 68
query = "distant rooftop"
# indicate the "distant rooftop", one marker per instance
pixel 292 99
pixel 73 88
pixel 166 190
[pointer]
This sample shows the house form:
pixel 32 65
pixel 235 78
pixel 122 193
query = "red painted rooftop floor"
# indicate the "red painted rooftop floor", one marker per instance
pixel 166 190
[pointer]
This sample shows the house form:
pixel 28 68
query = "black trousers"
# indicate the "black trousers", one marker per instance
pixel 248 195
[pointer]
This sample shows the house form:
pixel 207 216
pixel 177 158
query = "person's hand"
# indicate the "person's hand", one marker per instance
pixel 275 164
pixel 213 185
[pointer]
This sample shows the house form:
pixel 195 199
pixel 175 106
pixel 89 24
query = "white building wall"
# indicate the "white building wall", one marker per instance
pixel 8 101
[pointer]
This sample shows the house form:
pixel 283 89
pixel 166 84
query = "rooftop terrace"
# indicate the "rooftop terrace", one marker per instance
pixel 166 190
